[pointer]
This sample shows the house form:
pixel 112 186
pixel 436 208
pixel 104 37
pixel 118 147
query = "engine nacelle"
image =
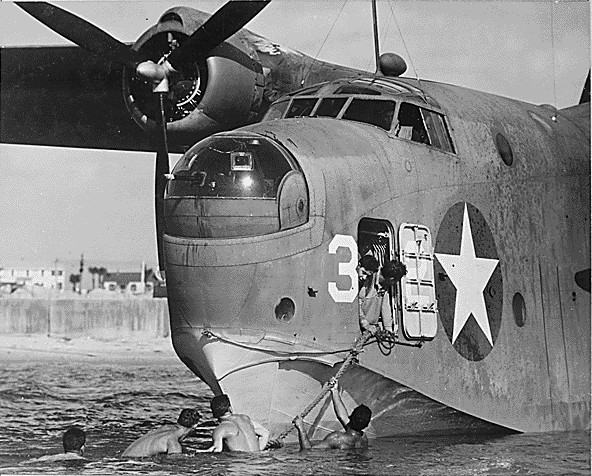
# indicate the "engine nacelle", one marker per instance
pixel 219 92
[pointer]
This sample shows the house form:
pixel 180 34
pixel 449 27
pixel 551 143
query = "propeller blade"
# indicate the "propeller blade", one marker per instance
pixel 230 18
pixel 161 168
pixel 82 33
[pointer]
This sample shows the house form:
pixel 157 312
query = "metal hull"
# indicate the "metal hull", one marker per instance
pixel 523 365
pixel 272 380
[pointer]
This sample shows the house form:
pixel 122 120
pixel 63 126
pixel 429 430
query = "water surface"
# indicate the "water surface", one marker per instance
pixel 118 402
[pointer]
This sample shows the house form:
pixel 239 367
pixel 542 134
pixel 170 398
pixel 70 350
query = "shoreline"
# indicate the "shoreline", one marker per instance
pixel 135 350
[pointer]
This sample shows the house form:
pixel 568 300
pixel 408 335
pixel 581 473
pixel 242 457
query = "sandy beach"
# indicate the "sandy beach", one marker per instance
pixel 138 349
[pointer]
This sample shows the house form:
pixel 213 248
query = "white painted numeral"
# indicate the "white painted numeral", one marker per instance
pixel 345 269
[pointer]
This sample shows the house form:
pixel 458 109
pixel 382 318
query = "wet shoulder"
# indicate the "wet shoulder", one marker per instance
pixel 56 457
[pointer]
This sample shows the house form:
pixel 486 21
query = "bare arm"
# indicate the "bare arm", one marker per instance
pixel 262 433
pixel 302 436
pixel 387 312
pixel 338 405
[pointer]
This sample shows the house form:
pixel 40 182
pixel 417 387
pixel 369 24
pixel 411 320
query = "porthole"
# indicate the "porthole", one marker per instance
pixel 284 311
pixel 519 308
pixel 504 149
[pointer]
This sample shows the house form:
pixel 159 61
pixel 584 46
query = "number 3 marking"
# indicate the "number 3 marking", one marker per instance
pixel 345 269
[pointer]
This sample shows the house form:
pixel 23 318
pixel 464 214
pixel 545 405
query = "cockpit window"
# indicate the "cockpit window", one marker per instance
pixel 230 167
pixel 276 110
pixel 411 125
pixel 357 89
pixel 422 125
pixel 301 107
pixel 330 107
pixel 310 90
pixel 386 83
pixel 372 111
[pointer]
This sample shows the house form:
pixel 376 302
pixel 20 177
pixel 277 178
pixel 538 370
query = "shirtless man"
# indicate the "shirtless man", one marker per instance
pixel 73 441
pixel 236 432
pixel 166 439
pixel 352 437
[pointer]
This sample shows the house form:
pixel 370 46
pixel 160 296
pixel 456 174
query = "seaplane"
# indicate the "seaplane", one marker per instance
pixel 292 169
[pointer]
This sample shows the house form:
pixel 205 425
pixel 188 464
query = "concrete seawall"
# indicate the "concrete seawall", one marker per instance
pixel 71 317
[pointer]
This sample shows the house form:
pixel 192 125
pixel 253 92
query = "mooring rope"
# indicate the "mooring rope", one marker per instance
pixel 212 335
pixel 357 348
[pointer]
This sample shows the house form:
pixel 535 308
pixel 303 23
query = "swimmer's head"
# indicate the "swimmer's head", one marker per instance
pixel 220 404
pixel 360 418
pixel 73 440
pixel 189 417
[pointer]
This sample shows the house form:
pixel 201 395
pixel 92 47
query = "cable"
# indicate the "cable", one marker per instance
pixel 554 118
pixel 407 51
pixel 323 44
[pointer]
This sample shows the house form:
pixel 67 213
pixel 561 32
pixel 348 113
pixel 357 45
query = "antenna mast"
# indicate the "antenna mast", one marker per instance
pixel 375 28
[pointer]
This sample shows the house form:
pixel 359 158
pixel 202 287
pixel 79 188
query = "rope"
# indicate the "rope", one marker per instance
pixel 357 348
pixel 210 334
pixel 386 341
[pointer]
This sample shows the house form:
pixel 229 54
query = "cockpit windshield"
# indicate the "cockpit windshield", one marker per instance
pixel 231 167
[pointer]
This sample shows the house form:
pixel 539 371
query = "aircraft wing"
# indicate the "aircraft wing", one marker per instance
pixel 579 116
pixel 65 96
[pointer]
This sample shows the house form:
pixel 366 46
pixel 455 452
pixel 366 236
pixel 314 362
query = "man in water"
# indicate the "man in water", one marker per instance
pixel 235 432
pixel 73 441
pixel 352 437
pixel 166 439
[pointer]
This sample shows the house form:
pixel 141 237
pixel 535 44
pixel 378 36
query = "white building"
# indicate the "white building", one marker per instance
pixel 48 278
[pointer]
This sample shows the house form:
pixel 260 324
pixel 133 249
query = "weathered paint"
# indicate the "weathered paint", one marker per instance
pixel 535 211
pixel 533 379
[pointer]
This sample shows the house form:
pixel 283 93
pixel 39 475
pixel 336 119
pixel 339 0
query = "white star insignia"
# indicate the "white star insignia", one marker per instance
pixel 469 275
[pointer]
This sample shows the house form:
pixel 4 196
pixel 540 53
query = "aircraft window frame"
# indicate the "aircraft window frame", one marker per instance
pixel 350 89
pixel 438 130
pixel 308 109
pixel 309 91
pixel 265 172
pixel 434 130
pixel 277 110
pixel 368 99
pixel 344 102
pixel 395 88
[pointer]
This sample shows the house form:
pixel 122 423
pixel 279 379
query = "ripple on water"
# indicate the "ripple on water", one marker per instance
pixel 116 405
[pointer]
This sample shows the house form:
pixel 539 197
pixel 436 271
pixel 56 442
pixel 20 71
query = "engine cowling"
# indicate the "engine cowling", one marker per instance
pixel 222 90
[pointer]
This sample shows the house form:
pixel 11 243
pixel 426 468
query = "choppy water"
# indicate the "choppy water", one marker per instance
pixel 117 403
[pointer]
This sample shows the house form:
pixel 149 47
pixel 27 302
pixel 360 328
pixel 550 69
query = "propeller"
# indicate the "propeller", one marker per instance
pixel 161 170
pixel 230 18
pixel 83 33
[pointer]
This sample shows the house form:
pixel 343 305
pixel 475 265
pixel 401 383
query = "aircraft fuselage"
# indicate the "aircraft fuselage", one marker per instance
pixel 507 210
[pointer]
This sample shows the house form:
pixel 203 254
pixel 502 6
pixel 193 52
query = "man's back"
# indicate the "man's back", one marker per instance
pixel 343 441
pixel 162 440
pixel 238 433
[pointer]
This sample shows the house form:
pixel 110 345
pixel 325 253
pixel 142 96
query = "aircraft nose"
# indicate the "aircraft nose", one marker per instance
pixel 235 185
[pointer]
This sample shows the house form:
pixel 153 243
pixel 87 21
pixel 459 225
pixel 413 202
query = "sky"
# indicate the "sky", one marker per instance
pixel 59 203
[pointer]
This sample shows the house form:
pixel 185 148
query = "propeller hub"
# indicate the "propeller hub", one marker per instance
pixel 156 73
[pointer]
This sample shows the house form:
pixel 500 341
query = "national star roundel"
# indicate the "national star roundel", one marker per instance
pixel 469 284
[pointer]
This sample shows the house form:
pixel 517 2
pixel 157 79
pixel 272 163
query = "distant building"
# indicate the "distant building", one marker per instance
pixel 136 283
pixel 127 282
pixel 12 279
